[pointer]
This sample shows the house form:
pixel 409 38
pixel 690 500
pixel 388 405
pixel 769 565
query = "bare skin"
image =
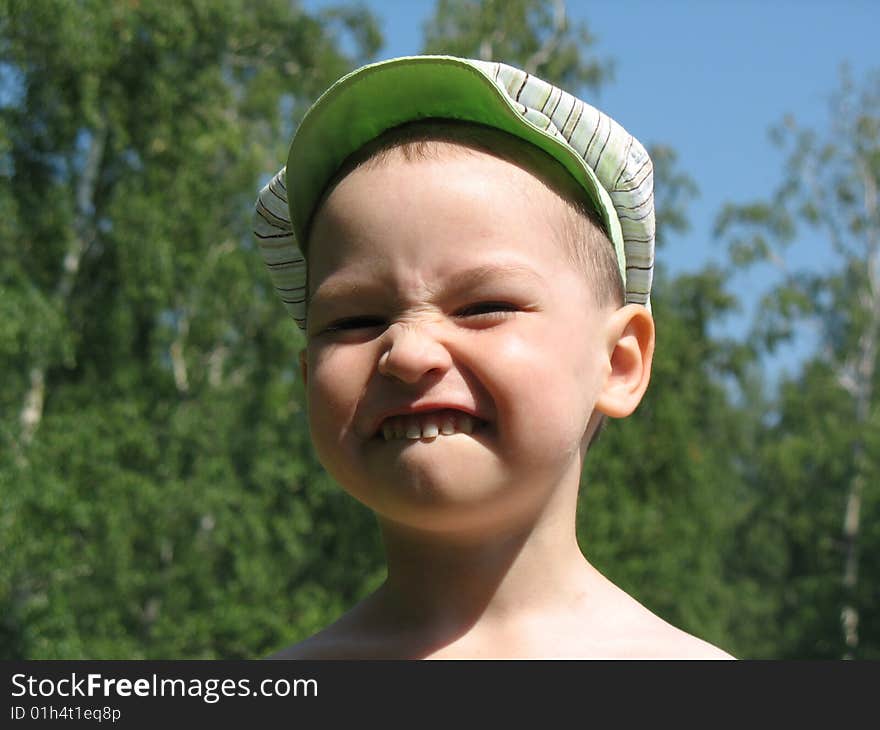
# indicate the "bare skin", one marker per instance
pixel 587 619
pixel 479 528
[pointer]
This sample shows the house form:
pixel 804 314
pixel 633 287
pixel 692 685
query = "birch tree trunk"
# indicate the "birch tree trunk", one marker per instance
pixel 84 234
pixel 862 390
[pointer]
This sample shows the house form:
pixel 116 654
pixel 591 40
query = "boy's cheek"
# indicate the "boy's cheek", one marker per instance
pixel 330 368
pixel 328 425
pixel 335 385
pixel 529 361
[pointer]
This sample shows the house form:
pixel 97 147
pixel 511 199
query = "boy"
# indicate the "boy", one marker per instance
pixel 469 251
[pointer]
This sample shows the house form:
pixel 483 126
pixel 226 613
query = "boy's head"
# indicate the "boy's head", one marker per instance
pixel 465 324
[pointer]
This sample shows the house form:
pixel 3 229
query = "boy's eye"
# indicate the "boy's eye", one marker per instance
pixel 354 323
pixel 488 310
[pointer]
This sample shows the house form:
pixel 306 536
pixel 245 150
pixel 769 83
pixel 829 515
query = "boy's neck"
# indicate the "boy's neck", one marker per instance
pixel 452 587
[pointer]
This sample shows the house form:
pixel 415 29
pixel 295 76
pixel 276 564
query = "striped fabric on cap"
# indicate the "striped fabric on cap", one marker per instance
pixel 275 237
pixel 619 161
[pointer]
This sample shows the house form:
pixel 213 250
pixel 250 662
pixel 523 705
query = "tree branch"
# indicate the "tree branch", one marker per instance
pixel 542 55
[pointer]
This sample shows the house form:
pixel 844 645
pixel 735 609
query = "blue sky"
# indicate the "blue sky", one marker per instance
pixel 709 78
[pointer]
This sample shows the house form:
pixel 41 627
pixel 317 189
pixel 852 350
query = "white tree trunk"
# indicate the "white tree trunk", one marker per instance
pixel 862 390
pixel 84 234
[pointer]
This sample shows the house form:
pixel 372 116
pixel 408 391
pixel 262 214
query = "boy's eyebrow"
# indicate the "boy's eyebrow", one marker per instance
pixel 479 274
pixel 460 280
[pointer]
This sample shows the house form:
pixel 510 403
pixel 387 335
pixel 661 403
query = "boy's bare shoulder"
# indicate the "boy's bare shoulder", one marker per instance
pixel 672 643
pixel 635 632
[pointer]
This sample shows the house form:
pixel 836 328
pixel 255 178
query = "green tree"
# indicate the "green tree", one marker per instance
pixel 815 496
pixel 534 35
pixel 153 447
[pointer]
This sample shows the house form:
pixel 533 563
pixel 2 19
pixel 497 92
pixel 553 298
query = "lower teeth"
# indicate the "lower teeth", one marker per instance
pixel 411 430
pixel 427 434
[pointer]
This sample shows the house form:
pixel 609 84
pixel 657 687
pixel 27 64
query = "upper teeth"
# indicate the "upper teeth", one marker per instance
pixel 427 425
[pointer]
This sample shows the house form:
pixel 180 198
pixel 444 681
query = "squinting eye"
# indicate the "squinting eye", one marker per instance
pixel 354 323
pixel 495 309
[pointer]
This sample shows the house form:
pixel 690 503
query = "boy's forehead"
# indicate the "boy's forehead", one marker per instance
pixel 463 216
pixel 459 155
pixel 447 141
pixel 464 185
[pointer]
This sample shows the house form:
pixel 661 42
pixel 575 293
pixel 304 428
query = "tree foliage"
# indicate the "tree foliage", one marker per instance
pixel 535 35
pixel 812 528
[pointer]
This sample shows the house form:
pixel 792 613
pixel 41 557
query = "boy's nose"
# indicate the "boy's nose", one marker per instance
pixel 411 353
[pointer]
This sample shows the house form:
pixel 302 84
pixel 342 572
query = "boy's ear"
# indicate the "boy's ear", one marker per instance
pixel 630 352
pixel 304 366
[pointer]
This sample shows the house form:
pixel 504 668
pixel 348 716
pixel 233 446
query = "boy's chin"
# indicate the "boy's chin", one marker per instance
pixel 431 479
pixel 448 482
pixel 444 508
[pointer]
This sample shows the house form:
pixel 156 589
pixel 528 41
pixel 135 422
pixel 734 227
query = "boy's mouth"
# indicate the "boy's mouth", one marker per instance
pixel 428 425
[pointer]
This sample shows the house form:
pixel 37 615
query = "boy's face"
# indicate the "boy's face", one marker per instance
pixel 439 288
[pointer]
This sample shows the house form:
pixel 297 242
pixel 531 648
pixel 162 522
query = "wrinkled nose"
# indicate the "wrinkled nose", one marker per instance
pixel 410 353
